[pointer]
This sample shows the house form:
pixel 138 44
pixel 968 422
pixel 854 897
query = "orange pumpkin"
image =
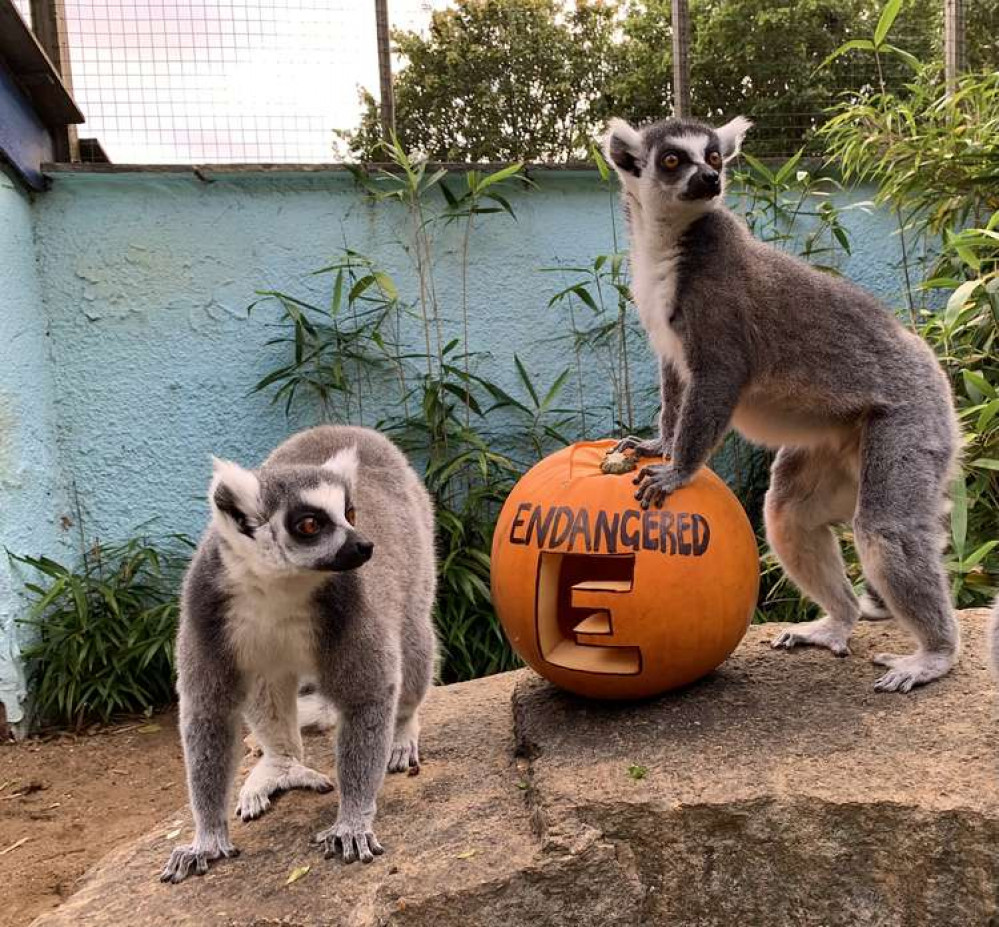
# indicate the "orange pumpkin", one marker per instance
pixel 608 601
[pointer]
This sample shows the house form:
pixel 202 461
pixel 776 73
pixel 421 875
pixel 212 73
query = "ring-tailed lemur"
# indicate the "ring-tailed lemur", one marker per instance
pixel 319 565
pixel 799 360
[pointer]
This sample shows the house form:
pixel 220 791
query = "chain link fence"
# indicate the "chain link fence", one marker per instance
pixel 285 81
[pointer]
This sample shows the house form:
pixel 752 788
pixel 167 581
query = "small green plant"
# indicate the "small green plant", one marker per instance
pixel 788 206
pixel 933 152
pixel 104 629
pixel 965 336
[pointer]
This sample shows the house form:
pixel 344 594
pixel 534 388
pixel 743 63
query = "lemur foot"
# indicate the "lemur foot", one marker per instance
pixel 656 482
pixel 354 841
pixel 195 858
pixel 651 447
pixel 910 670
pixel 272 775
pixel 872 608
pixel 405 755
pixel 824 632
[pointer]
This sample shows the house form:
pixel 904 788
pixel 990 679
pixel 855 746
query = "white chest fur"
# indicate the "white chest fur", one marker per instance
pixel 654 266
pixel 271 623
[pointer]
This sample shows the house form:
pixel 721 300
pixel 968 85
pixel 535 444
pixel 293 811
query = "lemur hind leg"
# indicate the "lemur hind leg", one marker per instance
pixel 417 675
pixel 272 714
pixel 405 755
pixel 811 490
pixel 905 472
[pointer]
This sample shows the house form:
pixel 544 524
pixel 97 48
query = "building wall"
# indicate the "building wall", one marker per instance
pixel 31 496
pixel 141 296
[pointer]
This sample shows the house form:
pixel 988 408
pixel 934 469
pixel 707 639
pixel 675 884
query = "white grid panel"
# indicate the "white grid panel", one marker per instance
pixel 180 81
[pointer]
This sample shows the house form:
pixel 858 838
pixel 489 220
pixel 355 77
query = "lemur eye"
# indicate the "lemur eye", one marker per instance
pixel 671 162
pixel 351 516
pixel 308 526
pixel 715 159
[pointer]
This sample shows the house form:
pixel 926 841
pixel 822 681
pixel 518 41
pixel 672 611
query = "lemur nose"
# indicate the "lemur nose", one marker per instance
pixel 712 178
pixel 365 548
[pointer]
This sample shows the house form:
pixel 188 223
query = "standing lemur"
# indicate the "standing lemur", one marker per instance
pixel 319 565
pixel 799 360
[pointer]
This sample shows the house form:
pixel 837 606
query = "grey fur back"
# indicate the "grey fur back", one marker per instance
pixel 810 339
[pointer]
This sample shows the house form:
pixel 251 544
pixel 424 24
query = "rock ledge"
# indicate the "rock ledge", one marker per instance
pixel 782 790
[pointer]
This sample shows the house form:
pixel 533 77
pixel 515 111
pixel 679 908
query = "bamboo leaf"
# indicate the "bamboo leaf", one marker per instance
pixel 526 380
pixel 863 44
pixel 886 21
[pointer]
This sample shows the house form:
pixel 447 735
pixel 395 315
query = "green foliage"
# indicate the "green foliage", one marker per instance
pixel 791 208
pixel 104 629
pixel 760 58
pixel 934 156
pixel 434 403
pixel 966 338
pixel 499 80
pixel 604 332
pixel 496 80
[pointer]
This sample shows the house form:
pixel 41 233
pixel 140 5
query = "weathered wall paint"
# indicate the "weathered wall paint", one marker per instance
pixel 145 281
pixel 31 500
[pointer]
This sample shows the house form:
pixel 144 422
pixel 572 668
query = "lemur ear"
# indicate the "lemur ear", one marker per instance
pixel 235 494
pixel 731 135
pixel 344 463
pixel 623 147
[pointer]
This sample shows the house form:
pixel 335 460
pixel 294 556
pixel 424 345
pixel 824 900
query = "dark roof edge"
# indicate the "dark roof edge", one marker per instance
pixel 34 71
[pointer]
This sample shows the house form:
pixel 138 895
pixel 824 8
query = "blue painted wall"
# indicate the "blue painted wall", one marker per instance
pixel 142 286
pixel 31 498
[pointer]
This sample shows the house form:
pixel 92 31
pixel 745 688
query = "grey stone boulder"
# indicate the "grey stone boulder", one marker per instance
pixel 781 790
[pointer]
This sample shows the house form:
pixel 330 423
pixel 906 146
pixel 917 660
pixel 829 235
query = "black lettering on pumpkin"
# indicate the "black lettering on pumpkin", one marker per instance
pixel 650 523
pixel 605 532
pixel 581 528
pixel 558 538
pixel 536 526
pixel 518 522
pixel 629 539
pixel 702 534
pixel 666 532
pixel 682 529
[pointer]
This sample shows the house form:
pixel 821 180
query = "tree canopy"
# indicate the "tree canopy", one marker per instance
pixel 536 80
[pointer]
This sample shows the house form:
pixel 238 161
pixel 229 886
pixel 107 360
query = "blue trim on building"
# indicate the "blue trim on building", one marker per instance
pixel 24 140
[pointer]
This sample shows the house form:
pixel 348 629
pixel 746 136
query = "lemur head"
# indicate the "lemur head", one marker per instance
pixel 291 519
pixel 676 165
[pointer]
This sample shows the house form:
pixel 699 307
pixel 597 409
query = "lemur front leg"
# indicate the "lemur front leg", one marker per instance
pixel 670 395
pixel 364 740
pixel 708 402
pixel 210 725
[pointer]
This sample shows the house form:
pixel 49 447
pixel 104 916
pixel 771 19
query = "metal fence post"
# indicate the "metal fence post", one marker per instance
pixel 385 69
pixel 681 59
pixel 48 22
pixel 954 62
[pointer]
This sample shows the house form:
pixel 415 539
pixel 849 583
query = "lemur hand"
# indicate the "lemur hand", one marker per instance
pixel 651 447
pixel 656 482
pixel 354 839
pixel 195 857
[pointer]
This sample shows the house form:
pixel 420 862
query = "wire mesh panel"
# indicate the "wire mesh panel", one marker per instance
pixel 221 81
pixel 297 80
